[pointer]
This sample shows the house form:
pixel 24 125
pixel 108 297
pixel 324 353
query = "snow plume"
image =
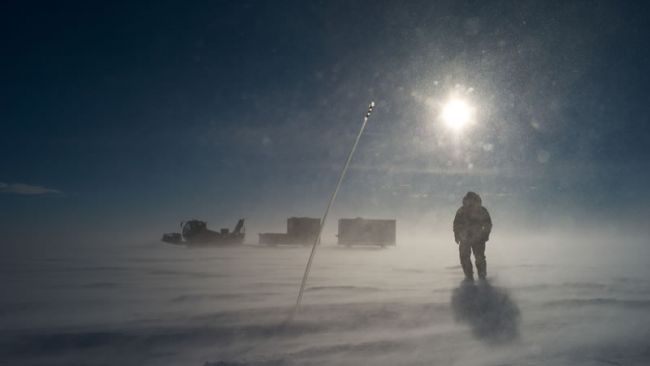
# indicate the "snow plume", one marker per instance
pixel 165 305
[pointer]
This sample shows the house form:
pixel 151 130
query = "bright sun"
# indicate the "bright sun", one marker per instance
pixel 456 113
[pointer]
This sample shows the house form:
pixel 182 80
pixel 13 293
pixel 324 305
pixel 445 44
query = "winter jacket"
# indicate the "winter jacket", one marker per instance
pixel 472 222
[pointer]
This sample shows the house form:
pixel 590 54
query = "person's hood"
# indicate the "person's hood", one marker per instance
pixel 472 199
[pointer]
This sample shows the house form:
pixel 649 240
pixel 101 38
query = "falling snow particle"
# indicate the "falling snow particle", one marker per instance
pixel 543 156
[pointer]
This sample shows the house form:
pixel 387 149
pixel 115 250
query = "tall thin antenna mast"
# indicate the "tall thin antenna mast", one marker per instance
pixel 327 210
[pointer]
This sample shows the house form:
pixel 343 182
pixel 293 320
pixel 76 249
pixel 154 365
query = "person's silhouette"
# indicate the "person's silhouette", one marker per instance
pixel 472 227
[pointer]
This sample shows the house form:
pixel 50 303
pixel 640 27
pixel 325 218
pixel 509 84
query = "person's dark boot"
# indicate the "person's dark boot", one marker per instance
pixel 481 268
pixel 467 269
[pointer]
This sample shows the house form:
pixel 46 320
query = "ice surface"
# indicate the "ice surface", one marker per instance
pixel 166 305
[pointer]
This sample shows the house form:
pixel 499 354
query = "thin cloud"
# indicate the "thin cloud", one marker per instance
pixel 26 189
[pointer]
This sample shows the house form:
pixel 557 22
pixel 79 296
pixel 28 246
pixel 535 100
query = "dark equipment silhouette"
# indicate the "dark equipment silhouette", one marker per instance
pixel 196 232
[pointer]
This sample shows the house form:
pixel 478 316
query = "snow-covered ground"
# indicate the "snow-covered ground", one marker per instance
pixel 166 305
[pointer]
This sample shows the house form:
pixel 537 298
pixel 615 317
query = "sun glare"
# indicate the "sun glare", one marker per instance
pixel 456 113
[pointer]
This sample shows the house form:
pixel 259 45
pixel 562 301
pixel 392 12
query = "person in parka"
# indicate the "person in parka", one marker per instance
pixel 472 227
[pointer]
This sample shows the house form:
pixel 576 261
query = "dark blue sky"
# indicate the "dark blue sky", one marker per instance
pixel 126 118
